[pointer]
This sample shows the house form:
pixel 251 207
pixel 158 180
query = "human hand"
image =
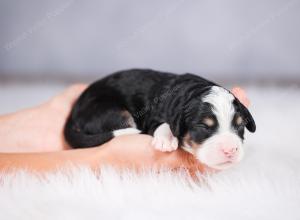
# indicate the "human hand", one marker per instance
pixel 39 129
pixel 56 111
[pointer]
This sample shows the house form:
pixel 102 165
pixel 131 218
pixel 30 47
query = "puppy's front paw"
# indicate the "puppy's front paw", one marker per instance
pixel 165 143
pixel 163 139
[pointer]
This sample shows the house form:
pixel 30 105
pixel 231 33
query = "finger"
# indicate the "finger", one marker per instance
pixel 72 92
pixel 241 95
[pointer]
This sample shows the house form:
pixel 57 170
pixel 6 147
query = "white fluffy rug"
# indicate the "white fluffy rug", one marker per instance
pixel 266 185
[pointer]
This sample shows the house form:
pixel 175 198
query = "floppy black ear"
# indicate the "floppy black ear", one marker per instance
pixel 250 123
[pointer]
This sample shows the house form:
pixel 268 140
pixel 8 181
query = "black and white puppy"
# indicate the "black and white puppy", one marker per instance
pixel 178 110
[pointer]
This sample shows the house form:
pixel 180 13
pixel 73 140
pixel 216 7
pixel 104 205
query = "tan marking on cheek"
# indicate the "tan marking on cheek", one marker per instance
pixel 187 139
pixel 239 120
pixel 209 122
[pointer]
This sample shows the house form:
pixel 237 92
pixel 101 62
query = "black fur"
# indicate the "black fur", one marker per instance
pixel 151 98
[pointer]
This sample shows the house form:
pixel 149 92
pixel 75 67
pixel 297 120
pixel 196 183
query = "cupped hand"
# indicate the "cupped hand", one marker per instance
pixel 40 129
pixel 55 113
pixel 131 151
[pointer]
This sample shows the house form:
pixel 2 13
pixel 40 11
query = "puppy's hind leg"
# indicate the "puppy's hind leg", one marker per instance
pixel 128 121
pixel 94 123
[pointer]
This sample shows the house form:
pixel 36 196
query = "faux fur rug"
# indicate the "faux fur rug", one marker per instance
pixel 266 185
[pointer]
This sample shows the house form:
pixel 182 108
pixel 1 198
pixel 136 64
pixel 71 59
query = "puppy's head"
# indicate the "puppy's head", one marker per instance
pixel 215 127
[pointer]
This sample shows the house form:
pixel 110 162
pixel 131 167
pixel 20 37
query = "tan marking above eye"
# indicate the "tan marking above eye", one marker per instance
pixel 239 120
pixel 209 122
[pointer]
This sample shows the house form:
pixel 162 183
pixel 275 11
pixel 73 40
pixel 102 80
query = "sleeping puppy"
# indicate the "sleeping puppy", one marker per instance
pixel 177 110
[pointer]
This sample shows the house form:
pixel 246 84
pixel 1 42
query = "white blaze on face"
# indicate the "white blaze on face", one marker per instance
pixel 211 152
pixel 222 102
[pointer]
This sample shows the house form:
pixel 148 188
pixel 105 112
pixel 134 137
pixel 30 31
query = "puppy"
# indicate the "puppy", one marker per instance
pixel 177 110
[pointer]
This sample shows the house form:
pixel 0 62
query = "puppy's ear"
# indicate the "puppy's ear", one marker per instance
pixel 250 123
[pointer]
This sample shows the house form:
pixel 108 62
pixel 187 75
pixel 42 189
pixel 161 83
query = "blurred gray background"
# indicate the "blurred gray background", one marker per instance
pixel 232 40
pixel 46 45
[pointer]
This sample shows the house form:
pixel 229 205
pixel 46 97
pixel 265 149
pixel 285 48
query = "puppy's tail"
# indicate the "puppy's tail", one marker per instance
pixel 76 137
